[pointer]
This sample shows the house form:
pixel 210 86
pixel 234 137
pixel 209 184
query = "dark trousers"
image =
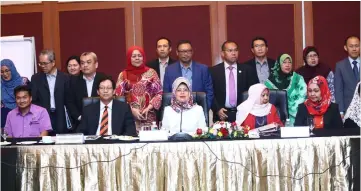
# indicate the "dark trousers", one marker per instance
pixel 52 115
pixel 231 113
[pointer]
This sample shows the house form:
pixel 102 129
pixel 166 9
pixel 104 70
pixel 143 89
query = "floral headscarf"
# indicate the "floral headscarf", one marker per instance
pixel 177 105
pixel 279 78
pixel 319 107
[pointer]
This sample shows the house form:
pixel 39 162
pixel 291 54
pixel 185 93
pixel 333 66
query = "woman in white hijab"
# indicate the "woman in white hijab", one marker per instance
pixel 256 111
pixel 352 117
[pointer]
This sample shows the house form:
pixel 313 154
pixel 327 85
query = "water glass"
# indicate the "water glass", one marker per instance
pixel 311 124
pixel 4 134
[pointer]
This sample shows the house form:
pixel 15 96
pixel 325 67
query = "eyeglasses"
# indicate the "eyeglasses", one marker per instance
pixel 231 50
pixel 312 56
pixel 43 63
pixel 259 45
pixel 182 90
pixel 105 88
pixel 185 51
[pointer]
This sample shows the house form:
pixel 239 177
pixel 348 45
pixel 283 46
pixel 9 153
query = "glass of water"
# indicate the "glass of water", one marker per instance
pixel 4 134
pixel 311 124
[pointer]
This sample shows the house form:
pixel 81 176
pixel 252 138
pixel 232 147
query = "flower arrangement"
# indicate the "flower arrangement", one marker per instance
pixel 222 130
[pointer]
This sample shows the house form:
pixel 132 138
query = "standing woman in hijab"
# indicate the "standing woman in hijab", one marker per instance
pixel 283 77
pixel 141 87
pixel 10 79
pixel 318 106
pixel 313 68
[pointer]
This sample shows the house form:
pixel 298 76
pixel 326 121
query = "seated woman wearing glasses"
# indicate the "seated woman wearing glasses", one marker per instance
pixel 318 106
pixel 183 113
pixel 10 79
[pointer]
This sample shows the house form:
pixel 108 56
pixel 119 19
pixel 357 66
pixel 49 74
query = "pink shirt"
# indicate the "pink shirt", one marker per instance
pixel 31 124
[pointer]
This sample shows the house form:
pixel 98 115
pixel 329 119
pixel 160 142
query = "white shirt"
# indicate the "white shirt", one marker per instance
pixel 357 60
pixel 102 108
pixel 234 71
pixel 89 84
pixel 51 78
pixel 192 119
pixel 162 68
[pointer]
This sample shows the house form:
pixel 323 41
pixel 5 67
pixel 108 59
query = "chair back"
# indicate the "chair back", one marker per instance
pixel 91 100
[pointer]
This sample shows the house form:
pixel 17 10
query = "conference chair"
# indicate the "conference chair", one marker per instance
pixel 90 100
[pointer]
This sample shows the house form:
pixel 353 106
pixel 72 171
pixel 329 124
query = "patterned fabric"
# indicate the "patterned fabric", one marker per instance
pixel 177 105
pixel 277 77
pixel 331 86
pixel 296 93
pixel 353 111
pixel 138 71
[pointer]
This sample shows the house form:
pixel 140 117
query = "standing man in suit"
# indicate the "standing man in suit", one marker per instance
pixel 109 116
pixel 230 80
pixel 197 74
pixel 261 65
pixel 164 48
pixel 347 74
pixel 84 85
pixel 49 90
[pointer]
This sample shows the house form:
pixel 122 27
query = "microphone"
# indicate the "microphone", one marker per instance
pixel 180 127
pixel 181 136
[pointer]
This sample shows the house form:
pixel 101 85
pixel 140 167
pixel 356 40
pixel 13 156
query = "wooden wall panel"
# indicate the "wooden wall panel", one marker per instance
pixel 99 31
pixel 333 22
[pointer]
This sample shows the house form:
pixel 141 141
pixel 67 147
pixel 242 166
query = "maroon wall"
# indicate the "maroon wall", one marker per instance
pixel 274 22
pixel 332 23
pixel 178 23
pixel 98 31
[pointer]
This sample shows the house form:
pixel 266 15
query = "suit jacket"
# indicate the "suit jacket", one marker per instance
pixel 331 119
pixel 41 96
pixel 345 84
pixel 252 64
pixel 78 91
pixel 155 64
pixel 201 79
pixel 122 119
pixel 244 81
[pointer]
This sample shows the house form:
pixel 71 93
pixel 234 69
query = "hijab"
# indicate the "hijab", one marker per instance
pixel 253 104
pixel 177 105
pixel 308 72
pixel 353 111
pixel 280 79
pixel 7 87
pixel 134 73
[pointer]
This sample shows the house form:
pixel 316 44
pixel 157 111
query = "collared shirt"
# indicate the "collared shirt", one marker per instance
pixel 51 78
pixel 31 124
pixel 357 60
pixel 89 84
pixel 187 72
pixel 234 71
pixel 162 67
pixel 102 108
pixel 262 70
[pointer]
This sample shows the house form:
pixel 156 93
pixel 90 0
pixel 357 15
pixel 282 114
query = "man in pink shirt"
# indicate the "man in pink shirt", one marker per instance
pixel 27 120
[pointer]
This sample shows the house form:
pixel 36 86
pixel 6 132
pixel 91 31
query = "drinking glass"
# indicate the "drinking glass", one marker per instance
pixel 311 124
pixel 4 134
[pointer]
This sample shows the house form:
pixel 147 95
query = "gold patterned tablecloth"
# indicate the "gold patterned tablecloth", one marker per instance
pixel 193 165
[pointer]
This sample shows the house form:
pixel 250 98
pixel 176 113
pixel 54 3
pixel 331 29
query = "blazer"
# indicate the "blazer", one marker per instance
pixel 122 119
pixel 78 91
pixel 331 119
pixel 252 64
pixel 201 79
pixel 244 81
pixel 155 64
pixel 345 84
pixel 41 96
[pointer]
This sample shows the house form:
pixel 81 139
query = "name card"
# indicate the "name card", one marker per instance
pixel 301 131
pixel 76 138
pixel 253 134
pixel 157 135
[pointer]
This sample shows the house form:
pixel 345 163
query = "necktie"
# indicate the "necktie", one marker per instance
pixel 356 71
pixel 104 122
pixel 232 88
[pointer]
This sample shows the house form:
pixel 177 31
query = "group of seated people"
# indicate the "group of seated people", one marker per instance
pixel 52 101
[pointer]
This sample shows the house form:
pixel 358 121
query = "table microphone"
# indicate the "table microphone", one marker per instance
pixel 181 136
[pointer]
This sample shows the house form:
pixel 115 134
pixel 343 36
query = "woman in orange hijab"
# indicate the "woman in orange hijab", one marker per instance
pixel 318 106
pixel 141 87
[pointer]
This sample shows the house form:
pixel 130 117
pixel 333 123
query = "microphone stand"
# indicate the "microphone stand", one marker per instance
pixel 181 136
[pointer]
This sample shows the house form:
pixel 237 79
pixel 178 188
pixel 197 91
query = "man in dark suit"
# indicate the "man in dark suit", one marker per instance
pixel 230 80
pixel 197 74
pixel 260 65
pixel 84 85
pixel 49 90
pixel 347 74
pixel 109 116
pixel 164 48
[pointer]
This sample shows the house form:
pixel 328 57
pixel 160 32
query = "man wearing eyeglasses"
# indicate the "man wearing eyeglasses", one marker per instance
pixel 49 90
pixel 196 73
pixel 261 65
pixel 230 80
pixel 109 116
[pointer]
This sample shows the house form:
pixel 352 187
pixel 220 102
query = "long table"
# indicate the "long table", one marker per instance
pixel 320 163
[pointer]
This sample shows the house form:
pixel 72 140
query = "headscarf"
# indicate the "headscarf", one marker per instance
pixel 132 69
pixel 177 105
pixel 279 78
pixel 7 87
pixel 353 111
pixel 253 104
pixel 308 72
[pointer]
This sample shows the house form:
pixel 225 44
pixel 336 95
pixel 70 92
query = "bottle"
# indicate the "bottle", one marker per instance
pixel 154 126
pixel 288 123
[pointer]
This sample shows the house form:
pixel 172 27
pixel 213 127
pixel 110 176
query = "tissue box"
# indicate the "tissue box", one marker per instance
pixel 158 135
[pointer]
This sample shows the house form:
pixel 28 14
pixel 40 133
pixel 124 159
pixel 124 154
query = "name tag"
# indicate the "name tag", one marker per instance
pixel 302 131
pixel 158 135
